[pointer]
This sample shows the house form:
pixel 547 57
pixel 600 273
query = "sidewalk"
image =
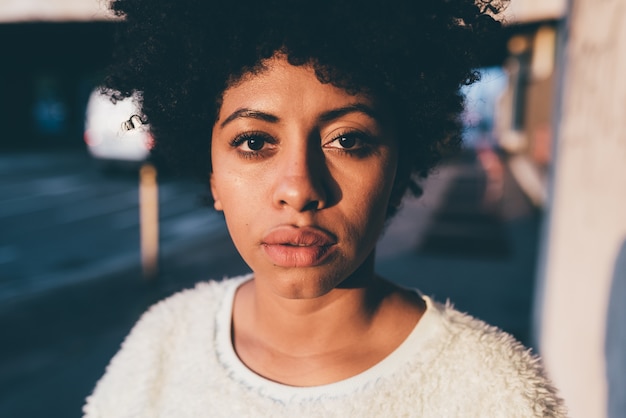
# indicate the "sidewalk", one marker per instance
pixel 478 253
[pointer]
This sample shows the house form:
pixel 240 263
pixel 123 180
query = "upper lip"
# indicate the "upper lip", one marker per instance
pixel 306 236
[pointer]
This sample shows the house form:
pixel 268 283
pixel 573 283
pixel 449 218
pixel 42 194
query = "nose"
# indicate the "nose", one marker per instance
pixel 300 181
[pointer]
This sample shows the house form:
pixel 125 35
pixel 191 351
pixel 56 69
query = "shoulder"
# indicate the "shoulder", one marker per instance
pixel 188 302
pixel 181 309
pixel 158 342
pixel 499 370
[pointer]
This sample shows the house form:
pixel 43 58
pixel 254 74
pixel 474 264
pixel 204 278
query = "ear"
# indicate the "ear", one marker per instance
pixel 217 203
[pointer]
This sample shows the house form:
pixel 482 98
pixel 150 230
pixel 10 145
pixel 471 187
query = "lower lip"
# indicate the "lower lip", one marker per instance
pixel 292 256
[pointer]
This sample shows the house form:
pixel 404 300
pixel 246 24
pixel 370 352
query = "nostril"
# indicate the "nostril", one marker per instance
pixel 300 192
pixel 312 205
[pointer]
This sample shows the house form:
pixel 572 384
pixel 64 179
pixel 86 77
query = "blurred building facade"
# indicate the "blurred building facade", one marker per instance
pixel 524 113
pixel 561 123
pixel 53 52
pixel 580 306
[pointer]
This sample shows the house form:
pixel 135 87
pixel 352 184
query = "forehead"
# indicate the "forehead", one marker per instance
pixel 282 86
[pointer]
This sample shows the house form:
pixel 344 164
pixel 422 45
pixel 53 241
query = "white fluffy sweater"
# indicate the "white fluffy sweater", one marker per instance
pixel 179 362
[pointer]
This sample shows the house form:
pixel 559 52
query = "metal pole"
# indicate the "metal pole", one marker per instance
pixel 149 220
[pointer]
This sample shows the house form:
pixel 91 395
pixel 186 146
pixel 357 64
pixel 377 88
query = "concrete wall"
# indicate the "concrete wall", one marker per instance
pixel 581 318
pixel 54 65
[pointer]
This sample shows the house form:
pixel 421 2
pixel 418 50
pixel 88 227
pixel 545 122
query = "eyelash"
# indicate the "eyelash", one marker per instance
pixel 364 145
pixel 239 140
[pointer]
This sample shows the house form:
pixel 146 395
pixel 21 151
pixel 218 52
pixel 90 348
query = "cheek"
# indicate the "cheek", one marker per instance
pixel 238 208
pixel 372 184
pixel 366 196
pixel 241 199
pixel 234 192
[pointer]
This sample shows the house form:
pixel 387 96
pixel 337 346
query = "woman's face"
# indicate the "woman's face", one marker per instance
pixel 303 172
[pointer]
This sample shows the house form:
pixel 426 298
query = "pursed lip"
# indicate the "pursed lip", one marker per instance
pixel 299 236
pixel 290 246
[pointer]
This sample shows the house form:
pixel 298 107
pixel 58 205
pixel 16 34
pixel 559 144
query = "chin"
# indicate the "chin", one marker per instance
pixel 304 285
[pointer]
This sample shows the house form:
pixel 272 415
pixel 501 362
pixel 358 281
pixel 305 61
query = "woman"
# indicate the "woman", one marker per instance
pixel 315 118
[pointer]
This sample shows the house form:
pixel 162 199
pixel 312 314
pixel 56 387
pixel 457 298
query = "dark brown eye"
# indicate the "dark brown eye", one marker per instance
pixel 255 143
pixel 352 143
pixel 347 141
pixel 252 142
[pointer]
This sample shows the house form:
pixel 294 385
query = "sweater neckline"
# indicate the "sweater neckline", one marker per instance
pixel 416 348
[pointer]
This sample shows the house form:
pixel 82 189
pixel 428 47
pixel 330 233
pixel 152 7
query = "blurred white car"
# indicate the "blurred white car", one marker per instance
pixel 109 135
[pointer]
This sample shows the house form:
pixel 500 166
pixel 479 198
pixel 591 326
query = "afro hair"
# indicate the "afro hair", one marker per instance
pixel 413 55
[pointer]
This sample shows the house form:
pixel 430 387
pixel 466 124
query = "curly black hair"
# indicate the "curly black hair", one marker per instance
pixel 413 55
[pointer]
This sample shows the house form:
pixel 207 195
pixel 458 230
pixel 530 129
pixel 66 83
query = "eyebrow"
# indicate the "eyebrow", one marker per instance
pixel 249 113
pixel 352 108
pixel 324 117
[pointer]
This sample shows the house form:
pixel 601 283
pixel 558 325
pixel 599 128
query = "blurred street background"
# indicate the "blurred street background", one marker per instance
pixel 522 228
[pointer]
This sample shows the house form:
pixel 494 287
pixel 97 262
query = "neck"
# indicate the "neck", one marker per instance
pixel 320 340
pixel 333 318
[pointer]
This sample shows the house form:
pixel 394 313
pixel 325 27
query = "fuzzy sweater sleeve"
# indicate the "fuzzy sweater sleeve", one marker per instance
pixel 126 378
pixel 134 379
pixel 506 377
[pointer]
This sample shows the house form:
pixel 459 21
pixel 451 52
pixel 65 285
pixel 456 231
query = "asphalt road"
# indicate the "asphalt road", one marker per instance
pixel 71 285
pixel 63 220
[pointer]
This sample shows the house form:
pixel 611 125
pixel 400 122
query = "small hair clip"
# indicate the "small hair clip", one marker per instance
pixel 132 123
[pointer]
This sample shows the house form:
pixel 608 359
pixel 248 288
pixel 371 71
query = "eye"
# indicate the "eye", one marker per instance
pixel 255 143
pixel 352 143
pixel 252 144
pixel 348 141
pixel 252 141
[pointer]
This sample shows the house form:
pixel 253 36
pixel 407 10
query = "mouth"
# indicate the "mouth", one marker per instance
pixel 288 246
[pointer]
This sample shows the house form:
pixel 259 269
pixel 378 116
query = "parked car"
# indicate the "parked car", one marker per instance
pixel 114 133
